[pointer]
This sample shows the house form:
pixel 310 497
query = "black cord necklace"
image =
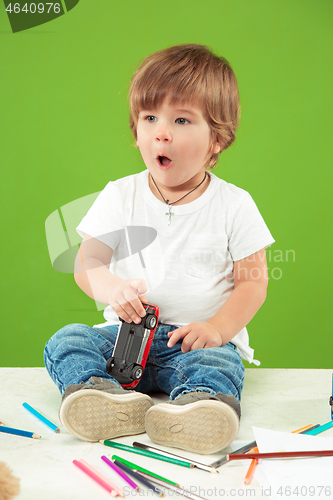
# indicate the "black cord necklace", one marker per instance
pixel 174 202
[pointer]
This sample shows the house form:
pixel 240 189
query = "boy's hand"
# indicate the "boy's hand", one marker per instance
pixel 196 336
pixel 126 299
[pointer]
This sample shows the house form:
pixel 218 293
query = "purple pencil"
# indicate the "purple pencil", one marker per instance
pixel 121 473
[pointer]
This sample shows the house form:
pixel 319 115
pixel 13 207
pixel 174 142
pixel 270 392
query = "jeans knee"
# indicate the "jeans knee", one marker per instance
pixel 218 368
pixel 69 334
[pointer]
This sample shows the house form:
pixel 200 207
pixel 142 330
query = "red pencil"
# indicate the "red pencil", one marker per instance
pixel 283 454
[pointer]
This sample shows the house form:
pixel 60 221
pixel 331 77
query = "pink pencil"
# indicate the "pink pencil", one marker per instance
pixel 96 477
pixel 95 471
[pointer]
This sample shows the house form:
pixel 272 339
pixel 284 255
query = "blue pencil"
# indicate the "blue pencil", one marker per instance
pixel 136 476
pixel 41 418
pixel 18 432
pixel 320 429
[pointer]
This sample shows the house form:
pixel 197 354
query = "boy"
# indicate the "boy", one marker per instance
pixel 206 270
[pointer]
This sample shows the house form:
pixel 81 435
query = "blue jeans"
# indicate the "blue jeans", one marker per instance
pixel 77 352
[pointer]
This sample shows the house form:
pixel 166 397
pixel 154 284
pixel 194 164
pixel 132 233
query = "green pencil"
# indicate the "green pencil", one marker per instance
pixel 141 469
pixel 146 453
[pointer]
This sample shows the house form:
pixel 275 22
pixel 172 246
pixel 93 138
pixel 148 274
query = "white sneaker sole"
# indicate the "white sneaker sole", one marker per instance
pixel 92 415
pixel 204 427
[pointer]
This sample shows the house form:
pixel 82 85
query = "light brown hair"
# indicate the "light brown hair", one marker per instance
pixel 189 73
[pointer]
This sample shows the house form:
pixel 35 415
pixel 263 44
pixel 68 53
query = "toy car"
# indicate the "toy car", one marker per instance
pixel 132 347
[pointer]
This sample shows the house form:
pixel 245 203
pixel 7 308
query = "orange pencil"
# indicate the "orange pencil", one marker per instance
pixel 252 468
pixel 302 429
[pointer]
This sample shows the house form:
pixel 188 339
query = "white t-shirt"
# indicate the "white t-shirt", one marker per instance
pixel 187 265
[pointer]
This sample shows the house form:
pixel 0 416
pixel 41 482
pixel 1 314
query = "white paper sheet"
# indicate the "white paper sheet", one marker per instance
pixel 301 478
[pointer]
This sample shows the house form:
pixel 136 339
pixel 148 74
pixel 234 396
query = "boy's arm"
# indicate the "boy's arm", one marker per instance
pixel 92 275
pixel 250 286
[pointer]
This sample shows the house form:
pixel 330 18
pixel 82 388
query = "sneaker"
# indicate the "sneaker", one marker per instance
pixel 198 421
pixel 103 410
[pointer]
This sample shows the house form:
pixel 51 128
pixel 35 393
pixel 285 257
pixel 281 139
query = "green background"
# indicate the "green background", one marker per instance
pixel 64 134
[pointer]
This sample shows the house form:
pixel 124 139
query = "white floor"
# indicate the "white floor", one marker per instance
pixel 281 400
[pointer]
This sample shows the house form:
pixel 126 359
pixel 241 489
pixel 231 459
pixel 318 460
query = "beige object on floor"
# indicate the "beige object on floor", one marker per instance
pixel 9 485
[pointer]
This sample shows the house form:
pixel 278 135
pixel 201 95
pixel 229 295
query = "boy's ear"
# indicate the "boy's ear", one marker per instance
pixel 216 146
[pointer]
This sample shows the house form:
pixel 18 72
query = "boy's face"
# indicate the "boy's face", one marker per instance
pixel 175 142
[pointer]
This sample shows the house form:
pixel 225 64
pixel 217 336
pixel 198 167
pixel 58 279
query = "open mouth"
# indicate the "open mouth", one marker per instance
pixel 164 161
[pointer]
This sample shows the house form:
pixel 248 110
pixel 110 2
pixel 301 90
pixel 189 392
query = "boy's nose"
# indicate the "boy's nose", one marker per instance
pixel 163 134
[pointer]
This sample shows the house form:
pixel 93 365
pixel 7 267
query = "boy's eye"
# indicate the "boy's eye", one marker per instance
pixel 151 118
pixel 182 121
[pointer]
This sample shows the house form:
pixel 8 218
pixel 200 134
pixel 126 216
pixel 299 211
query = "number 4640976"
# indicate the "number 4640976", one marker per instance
pixel 33 8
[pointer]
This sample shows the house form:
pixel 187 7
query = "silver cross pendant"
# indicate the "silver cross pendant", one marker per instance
pixel 169 214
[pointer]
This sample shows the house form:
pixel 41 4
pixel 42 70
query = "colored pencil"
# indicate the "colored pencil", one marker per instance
pixel 116 488
pixel 198 465
pixel 331 400
pixel 176 489
pixel 121 473
pixel 320 429
pixel 223 460
pixel 310 429
pixel 303 429
pixel 141 469
pixel 136 476
pixel 18 432
pixel 145 453
pixel 41 417
pixel 252 468
pixel 2 424
pixel 95 477
pixel 282 454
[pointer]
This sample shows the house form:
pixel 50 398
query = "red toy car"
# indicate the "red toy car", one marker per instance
pixel 132 347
